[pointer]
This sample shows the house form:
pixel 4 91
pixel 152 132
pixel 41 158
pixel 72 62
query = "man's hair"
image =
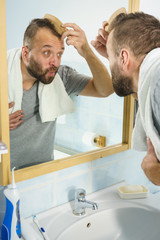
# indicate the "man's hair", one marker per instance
pixel 138 31
pixel 34 26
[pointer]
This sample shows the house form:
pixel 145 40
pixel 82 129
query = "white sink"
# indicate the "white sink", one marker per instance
pixel 130 223
pixel 115 219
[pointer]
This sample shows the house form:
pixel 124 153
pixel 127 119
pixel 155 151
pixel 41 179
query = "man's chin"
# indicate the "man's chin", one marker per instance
pixel 47 81
pixel 122 93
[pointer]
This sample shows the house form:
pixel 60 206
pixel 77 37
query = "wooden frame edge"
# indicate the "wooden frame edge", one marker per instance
pixel 52 166
pixel 4 118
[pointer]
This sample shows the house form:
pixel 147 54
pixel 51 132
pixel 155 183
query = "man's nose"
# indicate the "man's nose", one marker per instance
pixel 54 61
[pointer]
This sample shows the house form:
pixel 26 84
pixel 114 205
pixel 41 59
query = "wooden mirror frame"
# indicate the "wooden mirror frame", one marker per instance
pixel 44 168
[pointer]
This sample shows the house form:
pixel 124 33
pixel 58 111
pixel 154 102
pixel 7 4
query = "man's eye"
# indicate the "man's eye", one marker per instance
pixel 46 53
pixel 59 54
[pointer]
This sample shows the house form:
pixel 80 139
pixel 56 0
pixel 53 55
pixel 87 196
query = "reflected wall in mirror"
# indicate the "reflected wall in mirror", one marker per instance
pixel 101 116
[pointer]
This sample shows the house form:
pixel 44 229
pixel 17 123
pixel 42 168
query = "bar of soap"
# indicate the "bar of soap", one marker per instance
pixel 133 191
pixel 132 188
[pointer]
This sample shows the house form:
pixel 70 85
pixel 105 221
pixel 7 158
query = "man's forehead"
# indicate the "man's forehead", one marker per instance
pixel 46 37
pixel 45 33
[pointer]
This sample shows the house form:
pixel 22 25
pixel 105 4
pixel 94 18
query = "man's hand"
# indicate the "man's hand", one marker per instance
pixel 151 165
pixel 77 38
pixel 15 118
pixel 101 40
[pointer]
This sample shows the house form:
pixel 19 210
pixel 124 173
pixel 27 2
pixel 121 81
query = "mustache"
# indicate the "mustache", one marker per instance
pixel 50 70
pixel 54 68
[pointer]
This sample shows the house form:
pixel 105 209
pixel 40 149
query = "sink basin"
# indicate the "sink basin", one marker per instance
pixel 115 219
pixel 126 223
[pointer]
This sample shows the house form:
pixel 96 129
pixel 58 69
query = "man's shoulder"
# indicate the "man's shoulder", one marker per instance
pixel 13 58
pixel 65 71
pixel 63 68
pixel 13 52
pixel 155 83
pixel 155 99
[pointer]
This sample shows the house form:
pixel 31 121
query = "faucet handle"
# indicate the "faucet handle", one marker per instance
pixel 80 194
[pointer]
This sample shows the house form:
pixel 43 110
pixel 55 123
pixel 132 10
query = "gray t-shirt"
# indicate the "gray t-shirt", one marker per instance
pixel 32 142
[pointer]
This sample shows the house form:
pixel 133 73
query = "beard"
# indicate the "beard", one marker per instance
pixel 35 70
pixel 122 85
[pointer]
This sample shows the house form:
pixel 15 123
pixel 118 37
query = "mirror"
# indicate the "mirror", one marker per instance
pixel 120 143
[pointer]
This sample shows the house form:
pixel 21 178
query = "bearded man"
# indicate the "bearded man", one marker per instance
pixel 39 88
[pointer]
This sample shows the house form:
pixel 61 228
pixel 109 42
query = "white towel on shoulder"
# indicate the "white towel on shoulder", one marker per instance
pixel 53 98
pixel 144 126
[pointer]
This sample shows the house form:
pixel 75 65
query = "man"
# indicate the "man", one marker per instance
pixel 133 50
pixel 33 72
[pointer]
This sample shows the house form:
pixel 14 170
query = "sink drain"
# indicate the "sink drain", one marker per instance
pixel 88 225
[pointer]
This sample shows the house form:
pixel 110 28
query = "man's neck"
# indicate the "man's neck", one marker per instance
pixel 28 80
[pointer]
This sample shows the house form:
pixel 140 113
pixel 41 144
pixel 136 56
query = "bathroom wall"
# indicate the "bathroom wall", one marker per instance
pixel 92 115
pixel 150 7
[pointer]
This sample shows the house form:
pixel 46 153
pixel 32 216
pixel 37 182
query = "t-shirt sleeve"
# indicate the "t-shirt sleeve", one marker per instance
pixel 155 99
pixel 74 82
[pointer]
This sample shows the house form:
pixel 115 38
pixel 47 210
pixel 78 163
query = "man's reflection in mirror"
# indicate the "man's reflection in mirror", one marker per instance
pixel 40 88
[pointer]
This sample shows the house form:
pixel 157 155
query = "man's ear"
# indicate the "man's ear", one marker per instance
pixel 25 54
pixel 124 59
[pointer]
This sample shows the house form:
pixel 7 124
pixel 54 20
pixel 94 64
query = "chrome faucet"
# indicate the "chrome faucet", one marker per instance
pixel 80 203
